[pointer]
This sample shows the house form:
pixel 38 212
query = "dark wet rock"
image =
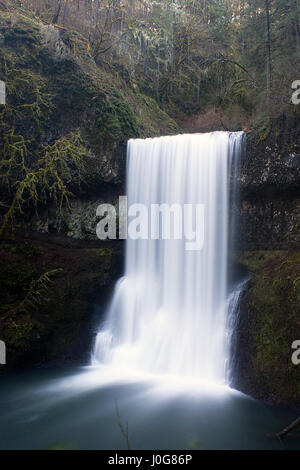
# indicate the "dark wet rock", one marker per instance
pixel 61 329
pixel 269 215
pixel 268 322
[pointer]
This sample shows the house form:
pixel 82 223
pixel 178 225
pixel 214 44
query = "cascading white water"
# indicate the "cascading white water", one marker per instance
pixel 169 313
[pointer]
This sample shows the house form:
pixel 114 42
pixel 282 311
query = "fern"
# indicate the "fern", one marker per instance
pixel 36 296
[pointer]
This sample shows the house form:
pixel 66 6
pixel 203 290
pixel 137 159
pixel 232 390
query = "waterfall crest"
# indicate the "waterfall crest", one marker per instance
pixel 169 313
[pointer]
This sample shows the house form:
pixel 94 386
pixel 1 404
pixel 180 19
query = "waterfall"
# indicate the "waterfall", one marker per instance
pixel 170 312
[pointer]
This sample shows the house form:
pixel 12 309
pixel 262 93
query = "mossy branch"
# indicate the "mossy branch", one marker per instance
pixel 49 180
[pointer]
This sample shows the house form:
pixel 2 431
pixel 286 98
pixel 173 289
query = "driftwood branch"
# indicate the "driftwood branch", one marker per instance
pixel 124 431
pixel 286 430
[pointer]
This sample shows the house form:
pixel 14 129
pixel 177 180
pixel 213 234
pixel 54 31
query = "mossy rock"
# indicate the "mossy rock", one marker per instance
pixel 268 324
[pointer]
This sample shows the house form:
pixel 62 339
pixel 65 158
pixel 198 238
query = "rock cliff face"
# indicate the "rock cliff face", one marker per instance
pixel 268 323
pixel 268 245
pixel 270 196
pixel 268 216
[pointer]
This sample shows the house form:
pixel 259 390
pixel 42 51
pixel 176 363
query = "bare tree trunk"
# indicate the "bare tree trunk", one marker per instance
pixel 198 88
pixel 268 45
pixel 158 72
pixel 66 12
pixel 56 16
pixel 297 30
pixel 296 26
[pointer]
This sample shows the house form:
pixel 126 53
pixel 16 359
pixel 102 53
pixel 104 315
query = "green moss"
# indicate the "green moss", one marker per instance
pixel 151 119
pixel 101 252
pixel 21 36
pixel 274 320
pixel 114 122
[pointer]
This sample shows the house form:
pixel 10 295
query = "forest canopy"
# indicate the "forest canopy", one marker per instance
pixel 237 55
